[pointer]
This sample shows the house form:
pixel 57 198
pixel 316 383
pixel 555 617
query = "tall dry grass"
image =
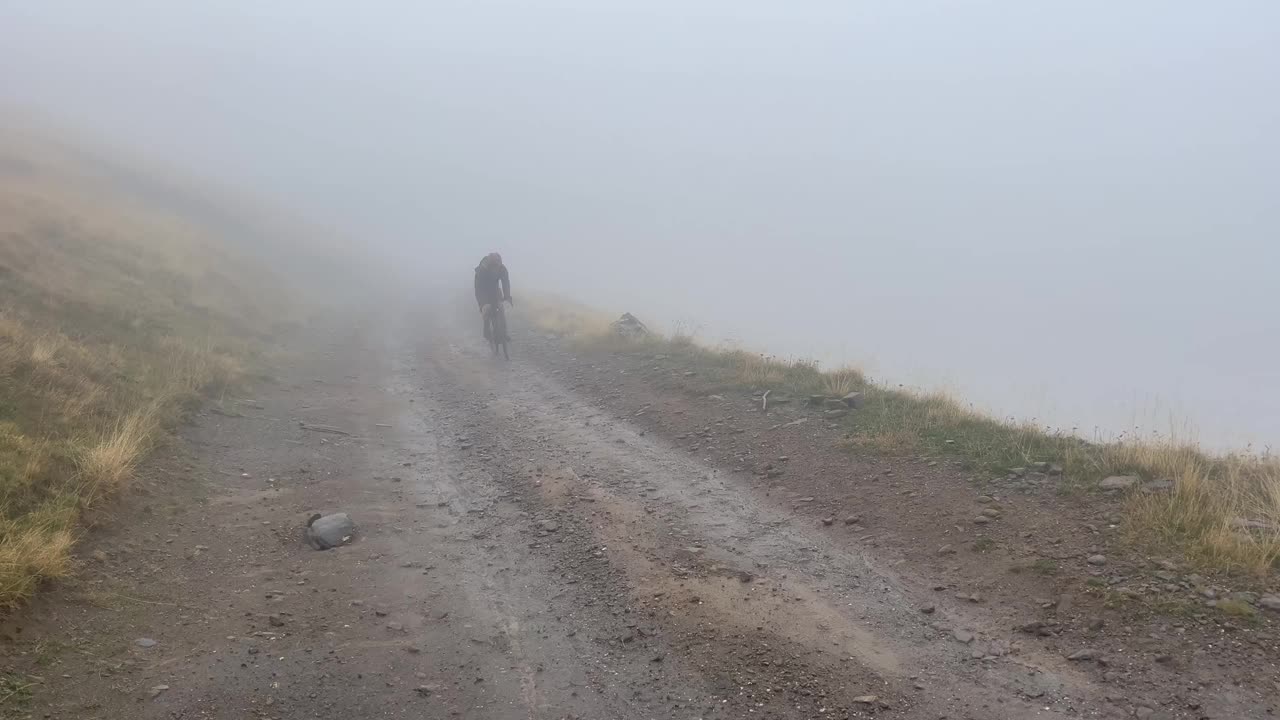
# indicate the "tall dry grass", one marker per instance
pixel 1222 512
pixel 114 314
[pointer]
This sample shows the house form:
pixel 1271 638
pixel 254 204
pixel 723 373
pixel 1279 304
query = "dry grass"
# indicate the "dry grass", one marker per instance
pixel 565 318
pixel 1224 510
pixel 1202 516
pixel 114 313
pixel 842 381
pixel 108 461
pixel 759 372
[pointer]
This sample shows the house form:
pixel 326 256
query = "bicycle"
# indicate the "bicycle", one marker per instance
pixel 495 327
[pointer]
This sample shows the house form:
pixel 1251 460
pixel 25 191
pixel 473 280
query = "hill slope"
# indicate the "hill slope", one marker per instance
pixel 120 302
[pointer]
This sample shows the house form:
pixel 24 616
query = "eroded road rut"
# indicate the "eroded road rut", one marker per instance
pixel 521 554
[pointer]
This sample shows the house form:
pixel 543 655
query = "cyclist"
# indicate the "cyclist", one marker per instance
pixel 493 286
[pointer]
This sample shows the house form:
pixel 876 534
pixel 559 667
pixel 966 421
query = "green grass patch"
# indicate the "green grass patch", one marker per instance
pixel 1237 609
pixel 15 694
pixel 1044 566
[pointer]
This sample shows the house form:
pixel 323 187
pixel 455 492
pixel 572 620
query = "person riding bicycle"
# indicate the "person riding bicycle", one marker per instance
pixel 493 286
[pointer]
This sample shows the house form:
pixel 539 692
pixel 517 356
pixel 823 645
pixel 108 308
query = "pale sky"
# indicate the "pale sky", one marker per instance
pixel 1064 210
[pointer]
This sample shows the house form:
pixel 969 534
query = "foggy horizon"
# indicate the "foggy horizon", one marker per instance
pixel 1063 212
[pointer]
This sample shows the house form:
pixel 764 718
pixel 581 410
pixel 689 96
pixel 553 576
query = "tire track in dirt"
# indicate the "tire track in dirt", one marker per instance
pixel 678 531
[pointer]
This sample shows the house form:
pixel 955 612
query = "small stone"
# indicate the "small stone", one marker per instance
pixel 158 690
pixel 835 414
pixel 992 513
pixel 1041 628
pixel 100 556
pixel 145 643
pixel 1097 560
pixel 1083 655
pixel 852 520
pixel 866 700
pixel 829 521
pixel 946 550
pixel 928 609
pixel 981 520
pixel 1269 602
pixel 275 621
pixel 963 636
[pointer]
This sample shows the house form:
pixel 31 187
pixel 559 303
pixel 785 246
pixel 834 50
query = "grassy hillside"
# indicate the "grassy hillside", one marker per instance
pixel 1223 511
pixel 117 310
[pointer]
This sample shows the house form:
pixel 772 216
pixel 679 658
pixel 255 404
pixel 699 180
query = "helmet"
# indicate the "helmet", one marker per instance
pixel 493 259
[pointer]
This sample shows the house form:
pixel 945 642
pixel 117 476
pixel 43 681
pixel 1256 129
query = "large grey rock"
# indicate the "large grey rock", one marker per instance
pixel 1118 482
pixel 1270 602
pixel 853 400
pixel 330 531
pixel 629 326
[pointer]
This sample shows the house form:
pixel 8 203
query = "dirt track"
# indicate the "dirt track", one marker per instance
pixel 539 540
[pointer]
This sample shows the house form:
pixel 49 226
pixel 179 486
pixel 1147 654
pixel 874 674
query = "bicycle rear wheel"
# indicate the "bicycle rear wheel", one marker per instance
pixel 500 334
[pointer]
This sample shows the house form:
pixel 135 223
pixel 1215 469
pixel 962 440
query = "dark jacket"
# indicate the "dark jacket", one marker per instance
pixel 493 285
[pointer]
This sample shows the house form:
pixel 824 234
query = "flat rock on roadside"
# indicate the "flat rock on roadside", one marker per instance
pixel 1116 483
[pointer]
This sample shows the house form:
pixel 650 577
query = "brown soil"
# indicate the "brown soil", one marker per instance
pixel 591 536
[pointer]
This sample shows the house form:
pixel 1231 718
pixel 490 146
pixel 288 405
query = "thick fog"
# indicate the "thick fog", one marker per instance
pixel 1060 210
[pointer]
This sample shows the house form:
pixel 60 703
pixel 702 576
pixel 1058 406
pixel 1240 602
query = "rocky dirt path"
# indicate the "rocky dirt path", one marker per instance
pixel 525 550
